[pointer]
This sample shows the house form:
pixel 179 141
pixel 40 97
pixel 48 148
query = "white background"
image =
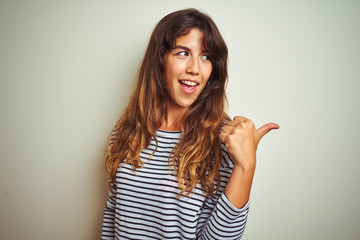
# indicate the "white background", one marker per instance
pixel 67 70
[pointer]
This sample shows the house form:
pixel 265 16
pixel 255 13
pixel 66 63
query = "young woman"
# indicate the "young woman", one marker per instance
pixel 179 167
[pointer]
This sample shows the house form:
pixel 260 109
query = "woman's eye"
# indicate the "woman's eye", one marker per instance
pixel 183 54
pixel 205 57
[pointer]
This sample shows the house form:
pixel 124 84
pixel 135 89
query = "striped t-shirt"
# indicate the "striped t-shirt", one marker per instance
pixel 146 204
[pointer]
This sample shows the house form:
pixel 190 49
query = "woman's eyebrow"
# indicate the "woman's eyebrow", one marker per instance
pixel 181 47
pixel 187 49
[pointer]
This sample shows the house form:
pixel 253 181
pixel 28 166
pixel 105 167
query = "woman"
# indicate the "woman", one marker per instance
pixel 178 167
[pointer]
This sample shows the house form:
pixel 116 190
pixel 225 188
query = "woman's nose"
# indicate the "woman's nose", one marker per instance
pixel 192 66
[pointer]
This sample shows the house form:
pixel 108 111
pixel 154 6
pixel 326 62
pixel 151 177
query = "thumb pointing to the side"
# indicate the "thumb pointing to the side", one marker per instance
pixel 265 129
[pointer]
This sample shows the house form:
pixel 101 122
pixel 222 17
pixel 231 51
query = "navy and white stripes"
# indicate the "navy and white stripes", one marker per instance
pixel 146 206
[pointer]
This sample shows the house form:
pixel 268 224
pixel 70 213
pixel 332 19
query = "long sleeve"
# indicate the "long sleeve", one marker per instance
pixel 108 231
pixel 223 220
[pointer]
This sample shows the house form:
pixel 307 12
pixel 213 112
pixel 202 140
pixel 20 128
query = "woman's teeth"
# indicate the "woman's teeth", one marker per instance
pixel 189 83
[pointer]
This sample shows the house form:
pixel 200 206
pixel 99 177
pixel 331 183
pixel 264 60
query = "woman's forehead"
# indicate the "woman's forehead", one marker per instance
pixel 192 34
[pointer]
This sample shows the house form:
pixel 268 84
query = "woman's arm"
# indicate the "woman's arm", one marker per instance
pixel 220 219
pixel 238 188
pixel 108 231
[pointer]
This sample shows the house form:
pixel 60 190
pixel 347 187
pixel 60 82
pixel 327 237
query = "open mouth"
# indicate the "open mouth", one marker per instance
pixel 188 86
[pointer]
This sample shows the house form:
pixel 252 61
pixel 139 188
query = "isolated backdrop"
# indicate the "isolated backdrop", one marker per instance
pixel 67 69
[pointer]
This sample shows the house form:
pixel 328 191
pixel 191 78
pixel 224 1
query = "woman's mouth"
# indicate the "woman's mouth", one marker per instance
pixel 188 86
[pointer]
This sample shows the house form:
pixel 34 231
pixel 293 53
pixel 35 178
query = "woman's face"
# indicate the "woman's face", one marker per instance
pixel 187 70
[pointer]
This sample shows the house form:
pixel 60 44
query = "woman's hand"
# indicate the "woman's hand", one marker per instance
pixel 242 138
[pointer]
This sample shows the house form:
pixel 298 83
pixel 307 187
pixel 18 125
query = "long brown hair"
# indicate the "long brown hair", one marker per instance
pixel 197 157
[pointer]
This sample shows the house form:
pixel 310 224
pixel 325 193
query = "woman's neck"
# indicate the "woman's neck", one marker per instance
pixel 167 125
pixel 173 119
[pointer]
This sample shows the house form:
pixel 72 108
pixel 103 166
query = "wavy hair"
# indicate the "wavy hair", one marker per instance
pixel 197 157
